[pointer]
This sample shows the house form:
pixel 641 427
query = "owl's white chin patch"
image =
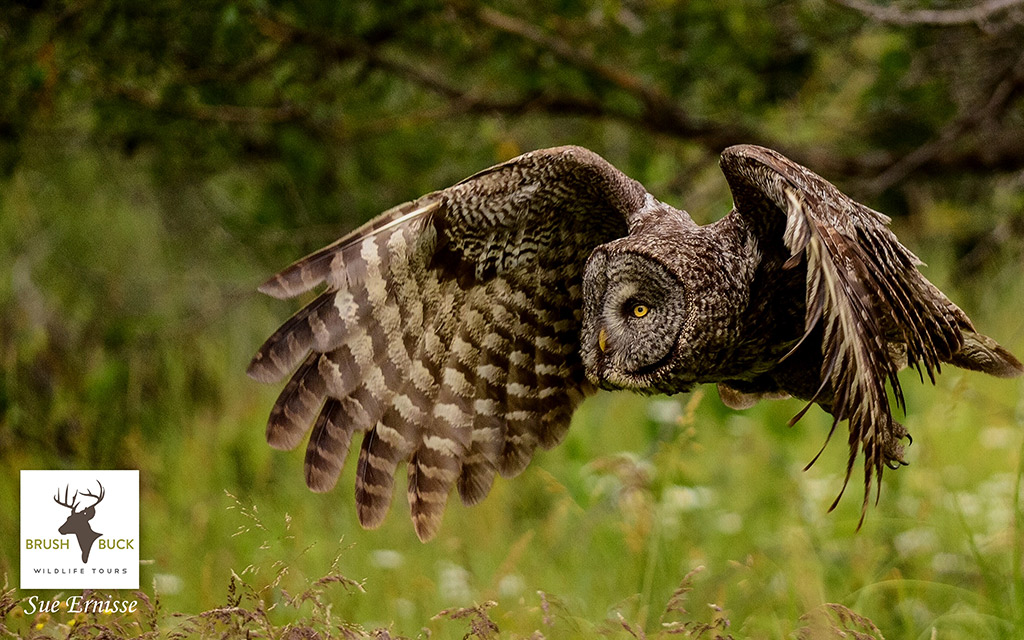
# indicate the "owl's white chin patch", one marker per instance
pixel 608 368
pixel 617 383
pixel 617 380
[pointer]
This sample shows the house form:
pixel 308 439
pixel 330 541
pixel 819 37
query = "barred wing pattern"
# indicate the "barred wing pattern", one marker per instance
pixel 864 285
pixel 448 333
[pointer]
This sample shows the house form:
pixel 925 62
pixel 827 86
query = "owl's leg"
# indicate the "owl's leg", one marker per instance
pixel 893 449
pixel 738 396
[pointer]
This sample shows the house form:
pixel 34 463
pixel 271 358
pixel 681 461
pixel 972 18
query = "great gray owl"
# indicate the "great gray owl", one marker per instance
pixel 459 331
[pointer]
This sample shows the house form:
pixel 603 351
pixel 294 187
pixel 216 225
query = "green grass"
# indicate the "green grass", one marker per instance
pixel 598 536
pixel 608 524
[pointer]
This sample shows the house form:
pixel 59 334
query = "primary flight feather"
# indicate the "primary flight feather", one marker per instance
pixel 459 331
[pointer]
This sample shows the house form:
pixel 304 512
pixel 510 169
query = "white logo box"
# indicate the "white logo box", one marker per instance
pixel 103 519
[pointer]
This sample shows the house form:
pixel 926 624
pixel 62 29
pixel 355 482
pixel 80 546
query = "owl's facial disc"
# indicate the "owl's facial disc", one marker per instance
pixel 634 312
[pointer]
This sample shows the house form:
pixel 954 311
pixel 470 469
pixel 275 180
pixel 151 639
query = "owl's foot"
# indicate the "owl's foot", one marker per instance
pixel 893 449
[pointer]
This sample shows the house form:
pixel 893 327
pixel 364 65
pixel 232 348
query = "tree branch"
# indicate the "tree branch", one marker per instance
pixel 967 144
pixel 972 121
pixel 285 32
pixel 977 14
pixel 224 113
pixel 661 112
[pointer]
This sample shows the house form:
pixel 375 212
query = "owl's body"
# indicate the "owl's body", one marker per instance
pixel 737 311
pixel 458 332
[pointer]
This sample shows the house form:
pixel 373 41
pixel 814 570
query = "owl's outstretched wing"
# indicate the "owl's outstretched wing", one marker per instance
pixel 448 332
pixel 879 312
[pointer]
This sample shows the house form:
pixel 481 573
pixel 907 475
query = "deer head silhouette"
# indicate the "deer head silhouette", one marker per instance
pixel 78 522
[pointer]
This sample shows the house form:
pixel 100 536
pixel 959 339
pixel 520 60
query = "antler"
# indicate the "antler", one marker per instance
pixel 74 501
pixel 99 498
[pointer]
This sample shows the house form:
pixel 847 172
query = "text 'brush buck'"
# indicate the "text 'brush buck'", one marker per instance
pixel 459 331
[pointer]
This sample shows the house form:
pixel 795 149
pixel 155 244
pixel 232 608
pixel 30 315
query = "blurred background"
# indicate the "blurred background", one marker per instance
pixel 159 159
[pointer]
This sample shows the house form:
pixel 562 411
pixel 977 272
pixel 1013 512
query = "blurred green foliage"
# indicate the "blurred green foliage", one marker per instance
pixel 158 159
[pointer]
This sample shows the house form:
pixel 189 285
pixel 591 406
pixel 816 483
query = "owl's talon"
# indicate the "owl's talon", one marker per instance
pixel 892 448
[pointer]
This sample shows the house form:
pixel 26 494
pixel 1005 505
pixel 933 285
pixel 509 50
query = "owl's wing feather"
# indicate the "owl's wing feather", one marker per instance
pixel 448 331
pixel 864 285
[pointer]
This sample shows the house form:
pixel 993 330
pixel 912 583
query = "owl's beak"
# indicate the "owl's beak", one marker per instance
pixel 602 340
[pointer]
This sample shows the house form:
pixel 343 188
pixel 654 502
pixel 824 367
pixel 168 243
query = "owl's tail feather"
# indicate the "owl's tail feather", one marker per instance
pixel 490 424
pixel 297 406
pixel 435 466
pixel 437 463
pixel 433 470
pixel 521 391
pixel 402 332
pixel 336 373
pixel 293 340
pixel 404 388
pixel 982 353
pixel 557 363
pixel 394 438
pixel 335 319
pixel 357 412
pixel 339 263
pixel 328 445
pixel 353 366
pixel 383 448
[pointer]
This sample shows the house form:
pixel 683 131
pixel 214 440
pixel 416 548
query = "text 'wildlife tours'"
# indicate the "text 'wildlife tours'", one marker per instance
pixel 79 529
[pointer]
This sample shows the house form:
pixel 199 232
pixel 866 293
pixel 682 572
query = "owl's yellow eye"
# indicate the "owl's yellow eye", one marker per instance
pixel 640 310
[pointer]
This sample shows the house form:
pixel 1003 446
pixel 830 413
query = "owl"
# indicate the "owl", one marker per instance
pixel 457 333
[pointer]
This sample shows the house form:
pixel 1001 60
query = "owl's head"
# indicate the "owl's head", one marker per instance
pixel 634 314
pixel 661 310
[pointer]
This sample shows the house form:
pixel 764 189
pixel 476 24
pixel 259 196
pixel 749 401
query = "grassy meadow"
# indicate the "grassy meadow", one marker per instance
pixel 656 516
